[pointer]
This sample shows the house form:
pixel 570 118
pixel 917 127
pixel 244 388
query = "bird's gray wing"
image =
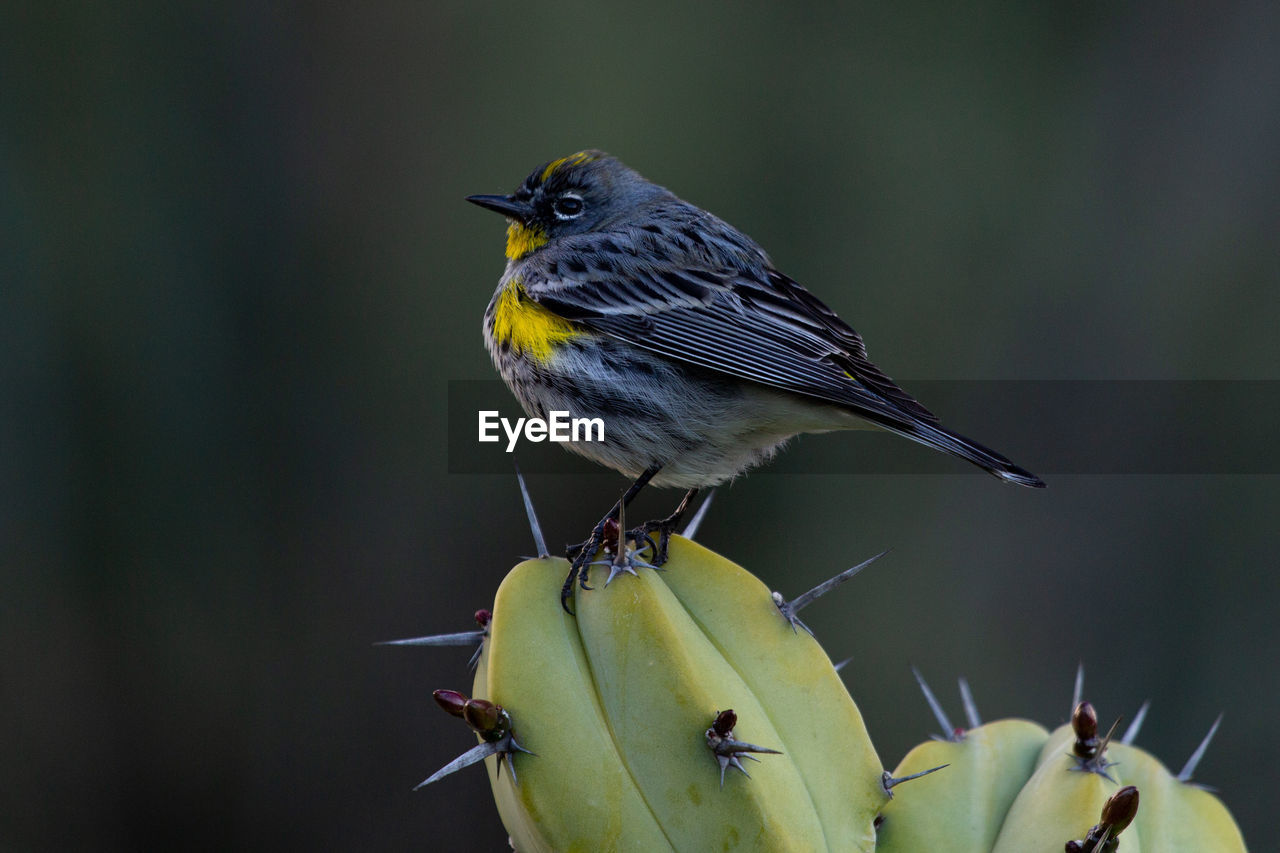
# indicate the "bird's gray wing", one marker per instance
pixel 728 312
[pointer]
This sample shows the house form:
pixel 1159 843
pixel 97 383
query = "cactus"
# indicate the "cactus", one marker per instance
pixel 625 726
pixel 620 704
pixel 1013 786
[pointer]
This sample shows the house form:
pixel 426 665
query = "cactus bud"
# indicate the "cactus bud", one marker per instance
pixel 451 701
pixel 1119 811
pixel 1084 722
pixel 727 749
pixel 490 722
pixel 724 723
pixel 486 719
pixel 610 535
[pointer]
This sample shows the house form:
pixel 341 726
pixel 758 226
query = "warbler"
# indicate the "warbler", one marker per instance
pixel 624 302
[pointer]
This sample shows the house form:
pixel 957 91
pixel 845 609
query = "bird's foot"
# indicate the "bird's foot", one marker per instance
pixel 664 528
pixel 624 559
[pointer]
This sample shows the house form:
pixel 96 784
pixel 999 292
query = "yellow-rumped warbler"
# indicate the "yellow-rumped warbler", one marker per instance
pixel 623 302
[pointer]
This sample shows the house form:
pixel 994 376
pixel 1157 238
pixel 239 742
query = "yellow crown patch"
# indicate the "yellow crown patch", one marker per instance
pixel 572 160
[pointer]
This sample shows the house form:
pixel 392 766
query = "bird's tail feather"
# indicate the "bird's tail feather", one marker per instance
pixel 941 438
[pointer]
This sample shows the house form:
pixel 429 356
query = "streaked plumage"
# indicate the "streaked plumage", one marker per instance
pixel 678 330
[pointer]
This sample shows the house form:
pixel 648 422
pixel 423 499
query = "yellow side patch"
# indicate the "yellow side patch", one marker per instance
pixel 523 239
pixel 572 160
pixel 527 326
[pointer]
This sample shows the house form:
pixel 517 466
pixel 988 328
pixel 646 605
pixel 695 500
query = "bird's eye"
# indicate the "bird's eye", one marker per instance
pixel 568 206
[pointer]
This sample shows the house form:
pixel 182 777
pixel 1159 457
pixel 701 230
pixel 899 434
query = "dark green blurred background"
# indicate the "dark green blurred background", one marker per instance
pixel 238 274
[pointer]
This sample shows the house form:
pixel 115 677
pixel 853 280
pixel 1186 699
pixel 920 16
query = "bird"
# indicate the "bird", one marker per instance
pixel 622 301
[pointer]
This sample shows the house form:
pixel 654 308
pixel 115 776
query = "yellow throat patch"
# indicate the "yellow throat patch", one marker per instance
pixel 526 325
pixel 523 239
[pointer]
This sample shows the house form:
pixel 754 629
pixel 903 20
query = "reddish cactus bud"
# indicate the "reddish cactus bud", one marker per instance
pixel 488 720
pixel 610 535
pixel 483 716
pixel 724 723
pixel 484 617
pixel 1120 810
pixel 451 701
pixel 1084 722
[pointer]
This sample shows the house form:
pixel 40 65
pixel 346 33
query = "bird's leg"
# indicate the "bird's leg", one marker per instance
pixel 663 528
pixel 584 551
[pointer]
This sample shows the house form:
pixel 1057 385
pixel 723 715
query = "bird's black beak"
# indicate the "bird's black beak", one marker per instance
pixel 521 211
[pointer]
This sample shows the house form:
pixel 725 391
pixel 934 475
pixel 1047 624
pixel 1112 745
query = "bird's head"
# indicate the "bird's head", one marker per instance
pixel 586 191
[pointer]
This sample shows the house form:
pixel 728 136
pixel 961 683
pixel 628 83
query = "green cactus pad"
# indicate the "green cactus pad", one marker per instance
pixel 960 808
pixel 616 700
pixel 1060 802
pixel 1175 815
